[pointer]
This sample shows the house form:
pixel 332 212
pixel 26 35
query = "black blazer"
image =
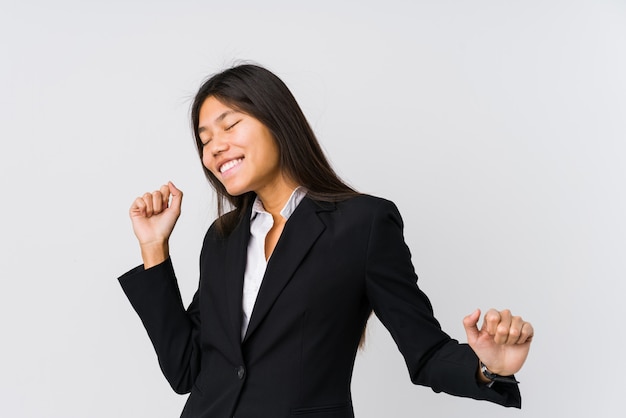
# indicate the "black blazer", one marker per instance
pixel 333 264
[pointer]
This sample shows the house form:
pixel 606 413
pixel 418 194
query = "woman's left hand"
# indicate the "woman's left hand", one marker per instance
pixel 503 341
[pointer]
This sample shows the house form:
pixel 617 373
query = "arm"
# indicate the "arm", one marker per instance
pixel 153 291
pixel 173 331
pixel 432 357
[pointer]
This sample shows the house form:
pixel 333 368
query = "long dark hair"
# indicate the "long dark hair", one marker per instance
pixel 256 91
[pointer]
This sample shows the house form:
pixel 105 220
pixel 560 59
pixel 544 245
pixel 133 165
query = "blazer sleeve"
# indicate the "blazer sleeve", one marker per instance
pixel 174 331
pixel 432 357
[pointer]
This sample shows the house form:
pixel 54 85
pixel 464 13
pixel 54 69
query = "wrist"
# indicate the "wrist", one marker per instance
pixel 487 376
pixel 154 253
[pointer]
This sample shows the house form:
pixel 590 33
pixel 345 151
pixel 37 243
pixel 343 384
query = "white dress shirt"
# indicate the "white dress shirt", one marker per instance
pixel 261 222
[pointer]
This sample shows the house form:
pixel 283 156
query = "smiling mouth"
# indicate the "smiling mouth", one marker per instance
pixel 230 164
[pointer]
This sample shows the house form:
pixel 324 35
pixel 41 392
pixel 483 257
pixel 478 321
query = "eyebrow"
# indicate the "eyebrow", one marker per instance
pixel 217 119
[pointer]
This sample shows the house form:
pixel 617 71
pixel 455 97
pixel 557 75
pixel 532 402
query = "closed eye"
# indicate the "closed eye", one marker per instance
pixel 228 128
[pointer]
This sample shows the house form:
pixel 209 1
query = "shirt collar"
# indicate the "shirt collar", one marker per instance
pixel 292 203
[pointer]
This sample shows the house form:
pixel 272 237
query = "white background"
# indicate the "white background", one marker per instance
pixel 497 127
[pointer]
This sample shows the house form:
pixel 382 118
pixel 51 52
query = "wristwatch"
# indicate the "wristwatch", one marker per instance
pixel 495 377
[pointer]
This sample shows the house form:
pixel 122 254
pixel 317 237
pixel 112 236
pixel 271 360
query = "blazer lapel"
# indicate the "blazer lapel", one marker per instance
pixel 300 232
pixel 235 267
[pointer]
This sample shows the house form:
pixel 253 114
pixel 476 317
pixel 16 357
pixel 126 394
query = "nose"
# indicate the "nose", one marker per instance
pixel 217 146
pixel 212 150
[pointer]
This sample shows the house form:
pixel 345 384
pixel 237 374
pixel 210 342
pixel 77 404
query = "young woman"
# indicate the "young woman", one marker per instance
pixel 289 273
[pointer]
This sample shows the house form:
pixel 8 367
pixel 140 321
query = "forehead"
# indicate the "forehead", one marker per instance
pixel 212 109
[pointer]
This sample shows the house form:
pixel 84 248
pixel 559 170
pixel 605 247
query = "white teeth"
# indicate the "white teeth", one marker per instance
pixel 230 164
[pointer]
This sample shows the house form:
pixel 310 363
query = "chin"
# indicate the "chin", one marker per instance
pixel 236 191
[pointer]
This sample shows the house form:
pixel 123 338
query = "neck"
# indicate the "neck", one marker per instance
pixel 275 197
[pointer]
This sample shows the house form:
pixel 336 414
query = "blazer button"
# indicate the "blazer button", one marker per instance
pixel 241 372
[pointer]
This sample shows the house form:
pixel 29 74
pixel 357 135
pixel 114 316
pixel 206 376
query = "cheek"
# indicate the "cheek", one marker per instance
pixel 274 156
pixel 206 160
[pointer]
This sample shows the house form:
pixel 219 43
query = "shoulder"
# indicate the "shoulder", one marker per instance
pixel 367 203
pixel 361 209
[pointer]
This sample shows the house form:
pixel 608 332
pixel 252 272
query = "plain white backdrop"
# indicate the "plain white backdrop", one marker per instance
pixel 497 127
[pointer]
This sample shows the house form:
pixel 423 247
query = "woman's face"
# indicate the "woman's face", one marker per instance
pixel 238 149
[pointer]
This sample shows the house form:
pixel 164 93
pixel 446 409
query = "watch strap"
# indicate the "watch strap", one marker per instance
pixel 495 377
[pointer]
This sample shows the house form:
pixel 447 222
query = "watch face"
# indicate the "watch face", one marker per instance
pixel 485 371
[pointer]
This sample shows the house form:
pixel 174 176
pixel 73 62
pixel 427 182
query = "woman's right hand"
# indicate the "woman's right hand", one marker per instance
pixel 153 217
